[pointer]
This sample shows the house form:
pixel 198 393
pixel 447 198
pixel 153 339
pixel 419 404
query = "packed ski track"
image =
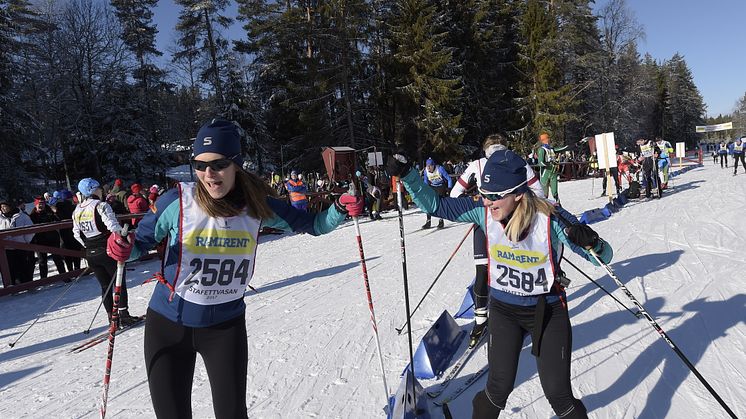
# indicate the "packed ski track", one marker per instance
pixel 312 352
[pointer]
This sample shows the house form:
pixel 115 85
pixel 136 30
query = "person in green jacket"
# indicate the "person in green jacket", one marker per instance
pixel 549 167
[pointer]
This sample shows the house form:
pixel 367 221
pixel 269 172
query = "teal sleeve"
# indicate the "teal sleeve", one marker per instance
pixel 288 218
pixel 464 209
pixel 154 227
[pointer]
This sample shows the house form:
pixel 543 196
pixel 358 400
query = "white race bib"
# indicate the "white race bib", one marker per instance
pixel 524 268
pixel 217 254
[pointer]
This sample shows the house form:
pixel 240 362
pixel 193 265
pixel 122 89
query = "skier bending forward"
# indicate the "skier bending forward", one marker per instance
pixel 525 236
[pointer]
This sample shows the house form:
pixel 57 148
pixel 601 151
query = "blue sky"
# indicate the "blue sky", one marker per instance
pixel 711 35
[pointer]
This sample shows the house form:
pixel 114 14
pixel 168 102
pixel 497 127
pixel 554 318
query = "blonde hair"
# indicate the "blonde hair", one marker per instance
pixel 494 139
pixel 252 193
pixel 528 206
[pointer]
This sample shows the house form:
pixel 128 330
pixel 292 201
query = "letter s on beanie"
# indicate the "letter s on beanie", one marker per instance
pixel 504 172
pixel 221 137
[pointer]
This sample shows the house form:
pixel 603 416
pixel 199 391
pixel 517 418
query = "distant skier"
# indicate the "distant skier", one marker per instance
pixel 648 155
pixel 549 167
pixel 93 222
pixel 211 227
pixel 438 178
pixel 526 235
pixel 664 160
pixel 723 153
pixel 737 148
pixel 468 184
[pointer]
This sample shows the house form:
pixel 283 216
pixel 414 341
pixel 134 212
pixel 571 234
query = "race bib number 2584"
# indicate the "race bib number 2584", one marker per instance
pixel 216 271
pixel 522 281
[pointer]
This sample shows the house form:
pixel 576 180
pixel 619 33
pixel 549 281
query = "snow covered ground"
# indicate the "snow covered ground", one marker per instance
pixel 312 352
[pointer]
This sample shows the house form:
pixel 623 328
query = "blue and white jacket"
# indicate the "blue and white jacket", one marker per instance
pixel 438 178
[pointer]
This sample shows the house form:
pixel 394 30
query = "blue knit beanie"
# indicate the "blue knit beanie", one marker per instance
pixel 221 137
pixel 504 172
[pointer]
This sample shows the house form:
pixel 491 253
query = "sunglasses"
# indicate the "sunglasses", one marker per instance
pixel 492 196
pixel 215 165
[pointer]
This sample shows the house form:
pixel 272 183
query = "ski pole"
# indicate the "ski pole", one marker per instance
pixel 400 329
pixel 62 294
pixel 113 328
pixel 370 306
pixel 663 334
pixel 400 201
pixel 100 303
pixel 638 314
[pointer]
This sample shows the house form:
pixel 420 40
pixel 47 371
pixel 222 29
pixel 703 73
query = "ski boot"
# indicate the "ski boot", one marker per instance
pixel 483 407
pixel 126 320
pixel 480 324
pixel 441 224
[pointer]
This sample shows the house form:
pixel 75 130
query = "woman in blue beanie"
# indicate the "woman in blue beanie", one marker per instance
pixel 211 227
pixel 525 239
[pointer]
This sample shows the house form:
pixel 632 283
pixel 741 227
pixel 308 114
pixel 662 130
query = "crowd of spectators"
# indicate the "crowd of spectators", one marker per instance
pixel 59 206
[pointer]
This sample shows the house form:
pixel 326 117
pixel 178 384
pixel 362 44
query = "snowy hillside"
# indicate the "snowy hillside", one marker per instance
pixel 311 349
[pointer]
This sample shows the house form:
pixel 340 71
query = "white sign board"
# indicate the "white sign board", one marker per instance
pixel 606 150
pixel 680 149
pixel 716 127
pixel 375 159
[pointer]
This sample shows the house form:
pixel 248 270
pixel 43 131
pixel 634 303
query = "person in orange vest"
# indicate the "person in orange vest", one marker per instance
pixel 297 190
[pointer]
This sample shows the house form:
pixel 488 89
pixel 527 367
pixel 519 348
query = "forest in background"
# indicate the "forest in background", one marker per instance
pixel 85 92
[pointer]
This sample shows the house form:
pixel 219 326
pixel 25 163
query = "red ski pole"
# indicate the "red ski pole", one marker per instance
pixel 370 306
pixel 113 328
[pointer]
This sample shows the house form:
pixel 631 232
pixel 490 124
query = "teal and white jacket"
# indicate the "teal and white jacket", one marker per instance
pixel 165 223
pixel 467 209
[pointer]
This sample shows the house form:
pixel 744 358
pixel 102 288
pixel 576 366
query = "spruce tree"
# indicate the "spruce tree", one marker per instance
pixel 428 100
pixel 545 102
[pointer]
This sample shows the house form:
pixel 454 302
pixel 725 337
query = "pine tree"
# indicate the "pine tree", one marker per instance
pixel 428 100
pixel 483 37
pixel 545 103
pixel 684 105
pixel 17 22
pixel 138 33
pixel 199 36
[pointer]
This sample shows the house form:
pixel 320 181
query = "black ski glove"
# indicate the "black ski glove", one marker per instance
pixel 583 236
pixel 398 165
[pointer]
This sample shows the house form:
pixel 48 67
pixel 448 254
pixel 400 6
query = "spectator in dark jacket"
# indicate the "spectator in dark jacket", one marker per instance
pixel 18 260
pixel 41 214
pixel 65 208
pixel 136 202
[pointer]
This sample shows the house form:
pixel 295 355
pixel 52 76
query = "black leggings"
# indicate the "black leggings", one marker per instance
pixel 737 157
pixel 481 290
pixel 105 268
pixel 508 325
pixel 723 158
pixel 170 353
